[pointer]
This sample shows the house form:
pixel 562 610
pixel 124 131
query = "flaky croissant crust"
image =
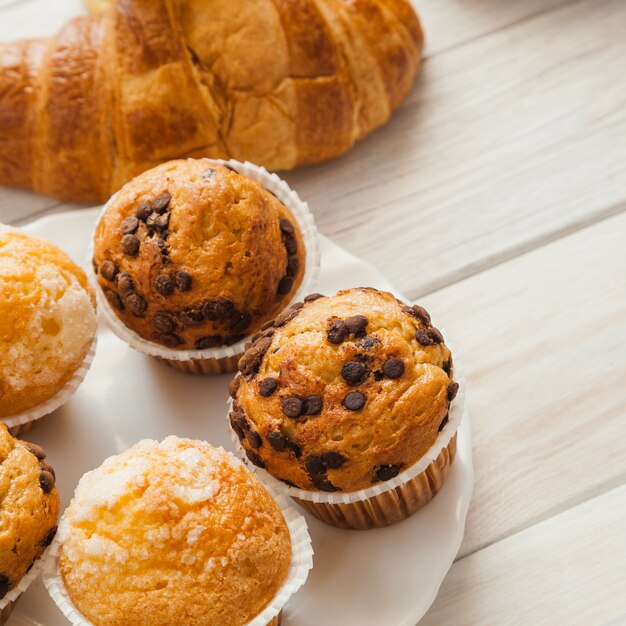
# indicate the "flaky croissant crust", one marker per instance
pixel 277 82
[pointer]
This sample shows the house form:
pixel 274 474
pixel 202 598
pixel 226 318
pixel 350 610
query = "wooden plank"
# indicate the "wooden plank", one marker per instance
pixel 542 341
pixel 567 570
pixel 450 23
pixel 505 143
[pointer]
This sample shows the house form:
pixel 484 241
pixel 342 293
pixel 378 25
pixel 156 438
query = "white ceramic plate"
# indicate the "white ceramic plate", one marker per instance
pixel 386 577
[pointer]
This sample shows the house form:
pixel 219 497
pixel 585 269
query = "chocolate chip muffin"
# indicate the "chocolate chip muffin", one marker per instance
pixel 169 533
pixel 47 321
pixel 29 508
pixel 341 393
pixel 193 255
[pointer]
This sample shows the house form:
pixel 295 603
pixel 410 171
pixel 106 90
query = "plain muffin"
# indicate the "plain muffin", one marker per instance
pixel 177 532
pixel 343 392
pixel 47 320
pixel 194 255
pixel 29 508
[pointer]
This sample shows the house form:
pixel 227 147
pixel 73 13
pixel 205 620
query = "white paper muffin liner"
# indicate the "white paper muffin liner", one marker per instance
pixel 301 563
pixel 301 212
pixel 25 582
pixel 455 416
pixel 21 421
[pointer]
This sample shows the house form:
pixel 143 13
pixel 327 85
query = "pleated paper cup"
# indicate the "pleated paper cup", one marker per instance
pixel 387 502
pixel 224 359
pixel 23 422
pixel 7 604
pixel 301 564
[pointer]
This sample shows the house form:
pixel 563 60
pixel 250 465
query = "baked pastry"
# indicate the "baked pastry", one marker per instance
pixel 343 392
pixel 47 321
pixel 193 255
pixel 176 532
pixel 29 509
pixel 273 82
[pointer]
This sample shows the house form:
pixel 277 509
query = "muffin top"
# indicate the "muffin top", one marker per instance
pixel 343 392
pixel 173 529
pixel 29 507
pixel 194 255
pixel 47 320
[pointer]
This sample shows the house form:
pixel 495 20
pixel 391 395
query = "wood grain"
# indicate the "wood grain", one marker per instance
pixel 542 340
pixel 566 570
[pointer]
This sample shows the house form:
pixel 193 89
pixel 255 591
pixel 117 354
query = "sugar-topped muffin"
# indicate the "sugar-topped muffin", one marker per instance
pixel 194 255
pixel 171 533
pixel 343 392
pixel 47 320
pixel 29 508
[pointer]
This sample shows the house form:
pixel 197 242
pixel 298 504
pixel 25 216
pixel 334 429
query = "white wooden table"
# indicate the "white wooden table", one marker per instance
pixel 496 196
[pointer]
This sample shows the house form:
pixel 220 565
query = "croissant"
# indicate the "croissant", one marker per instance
pixel 277 82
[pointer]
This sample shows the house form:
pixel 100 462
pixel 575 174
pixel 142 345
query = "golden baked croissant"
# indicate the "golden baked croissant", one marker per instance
pixel 277 82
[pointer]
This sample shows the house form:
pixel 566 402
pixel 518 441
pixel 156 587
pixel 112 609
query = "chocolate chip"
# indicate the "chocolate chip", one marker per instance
pixel 47 468
pixel 163 322
pixel 162 222
pixel 313 405
pixel 143 211
pixel 130 245
pixel 33 448
pixel 171 340
pixel 356 324
pixel 314 465
pixel 428 336
pixel 287 315
pixel 161 203
pixel 337 332
pixel 208 342
pixel 208 173
pixel 49 537
pixel 277 440
pixel 235 426
pixel 387 472
pixel 447 367
pixel 241 324
pixel 114 300
pixel 367 342
pixel 288 483
pixel 444 421
pixel 233 386
pixel 183 281
pixel 191 316
pixel 286 226
pixel 293 265
pixel 333 459
pixel 378 375
pixel 125 283
pixel 452 390
pixel 323 484
pixel 109 270
pixel 233 339
pixel 295 448
pixel 219 310
pixel 292 407
pixel 291 245
pixel 393 368
pixel 254 439
pixel 421 314
pixel 238 419
pixel 136 304
pixel 354 401
pixel 152 222
pixel 4 585
pixel 129 226
pixel 46 481
pixel 353 372
pixel 285 285
pixel 251 360
pixel 313 296
pixel 162 246
pixel 267 387
pixel 164 285
pixel 255 459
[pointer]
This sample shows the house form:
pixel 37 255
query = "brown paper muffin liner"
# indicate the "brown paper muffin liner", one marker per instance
pixel 389 507
pixel 6 612
pixel 224 359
